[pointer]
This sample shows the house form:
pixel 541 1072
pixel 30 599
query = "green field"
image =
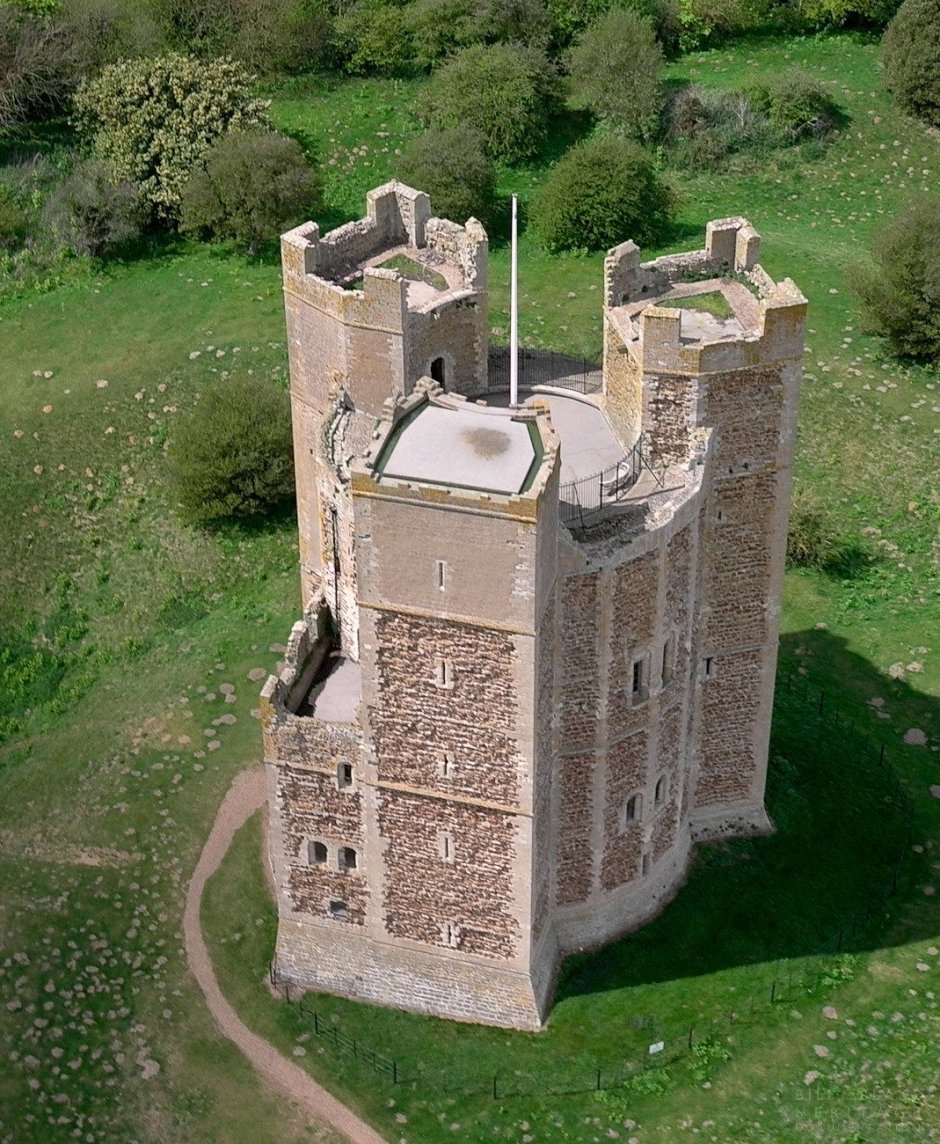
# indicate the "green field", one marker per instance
pixel 130 647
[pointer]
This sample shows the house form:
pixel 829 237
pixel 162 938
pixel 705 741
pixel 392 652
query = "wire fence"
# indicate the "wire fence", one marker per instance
pixel 655 1044
pixel 545 367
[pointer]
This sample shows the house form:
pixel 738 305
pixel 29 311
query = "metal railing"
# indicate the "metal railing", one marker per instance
pixel 581 499
pixel 545 367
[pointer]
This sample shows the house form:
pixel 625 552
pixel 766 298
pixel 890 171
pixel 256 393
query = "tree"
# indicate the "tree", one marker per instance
pixel 253 186
pixel 154 120
pixel 900 293
pixel 910 55
pixel 451 165
pixel 599 193
pixel 506 92
pixel 232 458
pixel 92 214
pixel 615 70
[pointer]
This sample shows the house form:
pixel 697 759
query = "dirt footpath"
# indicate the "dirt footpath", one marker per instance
pixel 244 797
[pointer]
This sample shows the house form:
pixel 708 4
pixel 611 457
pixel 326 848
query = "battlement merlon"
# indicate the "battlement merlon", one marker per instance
pixel 732 245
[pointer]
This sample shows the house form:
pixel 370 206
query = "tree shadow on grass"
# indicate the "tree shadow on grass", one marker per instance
pixel 843 831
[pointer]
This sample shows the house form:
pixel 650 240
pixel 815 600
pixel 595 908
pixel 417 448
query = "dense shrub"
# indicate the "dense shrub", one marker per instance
pixel 35 75
pixel 899 293
pixel 814 15
pixel 232 458
pixel 599 193
pixel 796 106
pixel 91 213
pixel 911 59
pixel 814 540
pixel 451 165
pixel 506 92
pixel 373 38
pixel 701 21
pixel 438 28
pixel 253 186
pixel 46 51
pixel 153 120
pixel 615 70
pixel 513 22
pixel 571 17
pixel 100 32
pixel 14 221
pixel 705 127
pixel 268 36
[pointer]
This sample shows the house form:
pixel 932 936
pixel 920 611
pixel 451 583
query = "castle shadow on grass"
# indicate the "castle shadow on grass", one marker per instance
pixel 841 831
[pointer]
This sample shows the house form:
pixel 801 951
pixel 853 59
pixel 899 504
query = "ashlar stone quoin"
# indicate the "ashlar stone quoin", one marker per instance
pixel 536 660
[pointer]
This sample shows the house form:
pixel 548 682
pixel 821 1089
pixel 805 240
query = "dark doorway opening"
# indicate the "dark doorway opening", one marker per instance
pixel 437 370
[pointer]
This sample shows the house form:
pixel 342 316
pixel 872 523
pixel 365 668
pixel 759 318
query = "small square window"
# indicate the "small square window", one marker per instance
pixel 344 775
pixel 348 859
pixel 339 910
pixel 316 853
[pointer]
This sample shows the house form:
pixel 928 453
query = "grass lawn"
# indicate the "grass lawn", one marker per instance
pixel 130 650
pixel 714 303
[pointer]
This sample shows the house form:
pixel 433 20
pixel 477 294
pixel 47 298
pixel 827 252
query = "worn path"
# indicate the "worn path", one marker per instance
pixel 244 797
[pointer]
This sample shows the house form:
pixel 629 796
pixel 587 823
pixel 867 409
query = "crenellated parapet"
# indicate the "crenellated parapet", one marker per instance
pixel 732 245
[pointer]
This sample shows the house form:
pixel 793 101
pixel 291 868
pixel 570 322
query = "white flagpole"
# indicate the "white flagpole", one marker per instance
pixel 513 316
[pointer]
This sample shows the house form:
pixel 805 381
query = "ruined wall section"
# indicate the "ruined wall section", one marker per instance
pixel 730 244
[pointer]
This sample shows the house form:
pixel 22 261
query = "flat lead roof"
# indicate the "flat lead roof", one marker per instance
pixel 463 447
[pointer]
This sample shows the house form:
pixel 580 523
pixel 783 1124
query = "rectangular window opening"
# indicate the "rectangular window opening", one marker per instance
pixel 660 793
pixel 445 843
pixel 709 666
pixel 445 673
pixel 344 775
pixel 639 680
pixel 339 910
pixel 451 935
pixel 447 765
pixel 646 864
pixel 669 655
pixel 632 809
pixel 442 574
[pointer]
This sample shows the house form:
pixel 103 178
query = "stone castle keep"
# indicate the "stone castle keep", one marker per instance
pixel 537 658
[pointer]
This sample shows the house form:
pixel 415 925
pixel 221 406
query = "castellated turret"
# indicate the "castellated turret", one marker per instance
pixel 537 657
